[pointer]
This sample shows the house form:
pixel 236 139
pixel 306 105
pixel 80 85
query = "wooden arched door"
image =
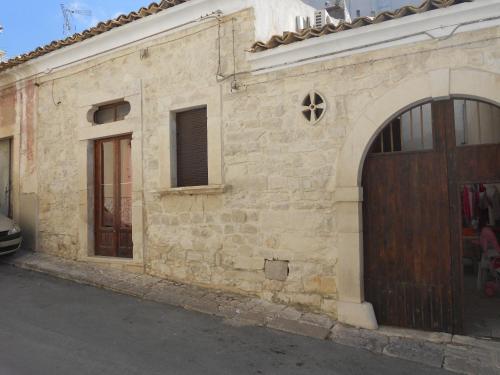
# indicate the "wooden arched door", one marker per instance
pixel 411 211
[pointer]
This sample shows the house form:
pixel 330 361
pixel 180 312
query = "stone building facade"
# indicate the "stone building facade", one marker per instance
pixel 282 192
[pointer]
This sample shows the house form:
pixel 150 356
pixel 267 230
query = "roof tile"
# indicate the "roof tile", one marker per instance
pixel 100 28
pixel 309 33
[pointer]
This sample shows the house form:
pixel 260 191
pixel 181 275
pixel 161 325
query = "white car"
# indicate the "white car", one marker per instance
pixel 10 236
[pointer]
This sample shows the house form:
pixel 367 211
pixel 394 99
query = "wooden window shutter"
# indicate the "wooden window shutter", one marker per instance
pixel 192 151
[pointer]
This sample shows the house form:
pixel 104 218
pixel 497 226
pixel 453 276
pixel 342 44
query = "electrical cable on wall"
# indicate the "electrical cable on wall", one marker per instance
pixel 234 84
pixel 215 14
pixel 219 47
pixel 221 77
pixel 53 99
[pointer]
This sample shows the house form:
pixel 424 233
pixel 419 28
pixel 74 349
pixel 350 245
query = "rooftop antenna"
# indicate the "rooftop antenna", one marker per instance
pixel 68 14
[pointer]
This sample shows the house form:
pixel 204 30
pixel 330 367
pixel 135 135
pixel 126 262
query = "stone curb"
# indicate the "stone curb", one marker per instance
pixel 459 354
pixel 235 309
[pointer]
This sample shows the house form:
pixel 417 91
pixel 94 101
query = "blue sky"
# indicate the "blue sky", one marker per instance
pixel 32 23
pixel 38 22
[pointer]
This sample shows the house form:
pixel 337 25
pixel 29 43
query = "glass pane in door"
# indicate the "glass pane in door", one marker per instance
pixel 410 132
pixel 107 184
pixel 114 197
pixel 476 123
pixel 126 183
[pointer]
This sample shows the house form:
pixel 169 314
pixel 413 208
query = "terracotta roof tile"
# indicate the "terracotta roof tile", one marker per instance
pixel 100 28
pixel 293 37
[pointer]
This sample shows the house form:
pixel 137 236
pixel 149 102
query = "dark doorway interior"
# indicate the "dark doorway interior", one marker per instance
pixel 480 204
pixel 5 177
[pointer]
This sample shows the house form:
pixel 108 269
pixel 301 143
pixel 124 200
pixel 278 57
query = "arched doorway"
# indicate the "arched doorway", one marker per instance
pixel 413 227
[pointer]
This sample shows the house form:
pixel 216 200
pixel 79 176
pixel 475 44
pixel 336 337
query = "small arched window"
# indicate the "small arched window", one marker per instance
pixel 111 112
pixel 411 131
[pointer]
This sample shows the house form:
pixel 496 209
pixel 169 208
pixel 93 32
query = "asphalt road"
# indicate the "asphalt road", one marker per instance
pixel 52 326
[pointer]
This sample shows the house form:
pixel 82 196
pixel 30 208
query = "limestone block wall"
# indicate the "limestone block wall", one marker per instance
pixel 18 108
pixel 8 100
pixel 279 171
pixel 57 167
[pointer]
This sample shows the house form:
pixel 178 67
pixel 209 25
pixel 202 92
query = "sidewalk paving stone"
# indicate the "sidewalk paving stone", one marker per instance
pixel 299 328
pixel 372 341
pixel 456 353
pixel 419 351
pixel 137 286
pixel 469 360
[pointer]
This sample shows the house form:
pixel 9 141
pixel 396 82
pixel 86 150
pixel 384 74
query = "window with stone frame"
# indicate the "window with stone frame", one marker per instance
pixel 191 147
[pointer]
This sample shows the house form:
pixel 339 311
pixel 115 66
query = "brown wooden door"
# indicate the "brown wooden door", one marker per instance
pixel 412 212
pixel 113 197
pixel 406 214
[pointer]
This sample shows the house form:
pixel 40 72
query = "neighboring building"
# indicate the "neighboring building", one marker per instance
pixel 159 144
pixel 374 7
pixel 359 8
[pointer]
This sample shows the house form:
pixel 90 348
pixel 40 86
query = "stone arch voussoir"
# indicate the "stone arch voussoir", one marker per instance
pixel 434 85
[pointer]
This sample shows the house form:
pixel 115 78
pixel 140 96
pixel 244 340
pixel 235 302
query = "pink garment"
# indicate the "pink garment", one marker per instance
pixel 488 237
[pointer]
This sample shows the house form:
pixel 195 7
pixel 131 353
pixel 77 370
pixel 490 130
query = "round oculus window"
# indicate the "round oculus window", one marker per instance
pixel 313 107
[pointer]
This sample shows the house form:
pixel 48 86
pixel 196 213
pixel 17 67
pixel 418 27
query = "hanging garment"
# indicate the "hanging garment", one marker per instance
pixel 466 204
